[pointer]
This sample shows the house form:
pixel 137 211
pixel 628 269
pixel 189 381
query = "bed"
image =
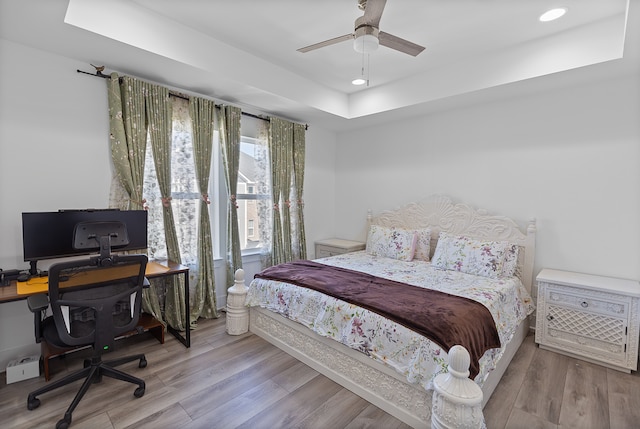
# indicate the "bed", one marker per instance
pixel 382 359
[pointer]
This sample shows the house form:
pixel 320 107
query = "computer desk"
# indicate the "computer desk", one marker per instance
pixel 155 269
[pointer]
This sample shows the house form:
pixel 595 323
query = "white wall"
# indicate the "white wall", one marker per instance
pixel 54 153
pixel 570 158
pixel 319 185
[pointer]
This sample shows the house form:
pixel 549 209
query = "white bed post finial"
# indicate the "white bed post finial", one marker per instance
pixel 457 400
pixel 237 312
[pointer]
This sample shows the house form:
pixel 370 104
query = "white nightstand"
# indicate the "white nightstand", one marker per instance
pixel 337 246
pixel 589 317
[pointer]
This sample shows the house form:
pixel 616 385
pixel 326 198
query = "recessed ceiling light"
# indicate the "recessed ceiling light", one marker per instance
pixel 553 14
pixel 359 81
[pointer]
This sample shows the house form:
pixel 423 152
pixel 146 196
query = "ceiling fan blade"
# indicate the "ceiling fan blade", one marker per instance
pixel 373 12
pixel 399 44
pixel 326 43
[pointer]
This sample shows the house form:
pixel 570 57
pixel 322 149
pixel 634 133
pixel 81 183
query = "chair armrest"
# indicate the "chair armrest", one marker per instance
pixel 38 302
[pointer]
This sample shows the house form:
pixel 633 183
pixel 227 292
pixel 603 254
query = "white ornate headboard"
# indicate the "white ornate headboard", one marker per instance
pixel 439 213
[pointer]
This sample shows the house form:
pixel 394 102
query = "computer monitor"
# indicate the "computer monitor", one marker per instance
pixel 50 235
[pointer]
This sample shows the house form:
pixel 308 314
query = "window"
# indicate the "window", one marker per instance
pixel 254 197
pixel 250 228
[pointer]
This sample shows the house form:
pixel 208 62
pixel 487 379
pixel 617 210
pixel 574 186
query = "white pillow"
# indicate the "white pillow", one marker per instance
pixel 467 255
pixel 423 244
pixel 396 243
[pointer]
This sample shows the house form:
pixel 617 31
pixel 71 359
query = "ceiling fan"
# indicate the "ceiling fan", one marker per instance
pixel 367 36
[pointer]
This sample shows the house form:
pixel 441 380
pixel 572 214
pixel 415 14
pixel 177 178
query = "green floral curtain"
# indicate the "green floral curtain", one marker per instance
pixel 275 131
pixel 279 139
pixel 287 152
pixel 230 136
pixel 128 135
pixel 202 119
pixel 299 137
pixel 159 118
pixel 128 140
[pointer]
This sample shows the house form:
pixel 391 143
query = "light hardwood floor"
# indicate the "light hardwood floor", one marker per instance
pixel 242 381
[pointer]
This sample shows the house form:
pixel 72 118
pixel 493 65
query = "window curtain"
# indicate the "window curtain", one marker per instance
pixel 159 118
pixel 230 136
pixel 202 119
pixel 299 139
pixel 286 165
pixel 128 140
pixel 280 141
pixel 265 205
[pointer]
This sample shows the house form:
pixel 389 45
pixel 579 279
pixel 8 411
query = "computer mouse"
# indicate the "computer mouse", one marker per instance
pixel 23 277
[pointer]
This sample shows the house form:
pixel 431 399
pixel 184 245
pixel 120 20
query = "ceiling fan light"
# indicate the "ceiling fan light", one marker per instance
pixel 359 81
pixel 365 43
pixel 553 14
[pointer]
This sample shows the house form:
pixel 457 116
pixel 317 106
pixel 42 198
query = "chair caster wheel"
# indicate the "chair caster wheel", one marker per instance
pixel 139 392
pixel 63 424
pixel 143 363
pixel 32 404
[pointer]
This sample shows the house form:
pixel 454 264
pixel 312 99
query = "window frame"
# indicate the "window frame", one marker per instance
pixel 255 196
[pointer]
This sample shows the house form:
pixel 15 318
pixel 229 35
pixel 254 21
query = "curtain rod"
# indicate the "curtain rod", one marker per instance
pixel 99 73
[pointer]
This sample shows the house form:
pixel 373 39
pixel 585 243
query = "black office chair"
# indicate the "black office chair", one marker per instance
pixel 92 302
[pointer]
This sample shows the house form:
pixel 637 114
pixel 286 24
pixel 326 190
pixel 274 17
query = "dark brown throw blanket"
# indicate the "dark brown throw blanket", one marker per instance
pixel 443 318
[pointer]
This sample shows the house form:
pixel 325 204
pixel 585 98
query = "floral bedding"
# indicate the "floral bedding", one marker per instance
pixel 410 354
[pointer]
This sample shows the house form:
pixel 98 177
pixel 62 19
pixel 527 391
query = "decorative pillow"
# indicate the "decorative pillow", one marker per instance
pixel 423 244
pixel 396 243
pixel 481 258
pixel 510 260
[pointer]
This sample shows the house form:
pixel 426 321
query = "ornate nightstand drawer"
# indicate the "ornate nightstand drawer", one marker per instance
pixel 588 300
pixel 587 334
